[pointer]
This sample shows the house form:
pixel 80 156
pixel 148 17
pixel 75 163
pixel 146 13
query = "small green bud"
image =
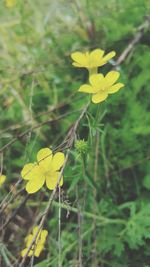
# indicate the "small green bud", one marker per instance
pixel 81 146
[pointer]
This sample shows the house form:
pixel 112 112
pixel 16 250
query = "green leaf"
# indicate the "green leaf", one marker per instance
pixel 146 181
pixel 42 264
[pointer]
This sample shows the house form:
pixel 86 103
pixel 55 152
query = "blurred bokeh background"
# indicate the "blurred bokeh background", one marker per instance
pixel 38 84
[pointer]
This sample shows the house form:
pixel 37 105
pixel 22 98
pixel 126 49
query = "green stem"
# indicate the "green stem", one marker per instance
pixel 98 114
pixel 93 71
pixel 103 220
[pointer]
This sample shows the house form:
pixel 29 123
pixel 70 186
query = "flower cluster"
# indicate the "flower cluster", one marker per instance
pixel 46 169
pixel 100 86
pixel 38 245
pixel 2 179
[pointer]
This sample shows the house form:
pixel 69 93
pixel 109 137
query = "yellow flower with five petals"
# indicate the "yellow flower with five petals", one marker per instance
pixel 91 60
pixel 38 246
pixel 46 169
pixel 2 179
pixel 100 87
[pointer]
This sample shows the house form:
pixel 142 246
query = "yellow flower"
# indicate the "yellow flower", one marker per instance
pixel 46 169
pixel 91 60
pixel 10 3
pixel 102 86
pixel 2 179
pixel 38 246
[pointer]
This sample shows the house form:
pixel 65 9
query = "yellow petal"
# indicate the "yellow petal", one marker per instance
pixel 97 53
pixel 44 234
pixel 35 184
pixel 44 157
pixel 2 179
pixel 28 240
pixel 58 161
pixel 27 172
pixel 42 239
pixel 113 89
pixel 51 181
pixel 99 97
pixel 109 56
pixel 30 237
pixel 96 57
pixel 96 81
pixel 31 172
pixel 76 64
pixel 38 250
pixel 86 88
pixel 111 78
pixel 79 58
pixel 35 230
pixel 24 251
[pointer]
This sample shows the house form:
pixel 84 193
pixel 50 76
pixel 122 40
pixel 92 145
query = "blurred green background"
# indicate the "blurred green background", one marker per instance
pixel 38 83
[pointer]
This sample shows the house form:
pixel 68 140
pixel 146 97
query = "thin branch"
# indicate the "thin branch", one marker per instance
pixel 140 32
pixel 52 109
pixel 98 217
pixel 5 205
pixel 14 214
pixel 59 230
pixel 7 196
pixel 45 214
pixel 80 218
pixel 34 128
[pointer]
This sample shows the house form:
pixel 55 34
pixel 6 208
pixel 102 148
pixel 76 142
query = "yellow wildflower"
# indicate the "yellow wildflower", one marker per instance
pixel 91 60
pixel 10 3
pixel 46 169
pixel 102 86
pixel 38 246
pixel 2 179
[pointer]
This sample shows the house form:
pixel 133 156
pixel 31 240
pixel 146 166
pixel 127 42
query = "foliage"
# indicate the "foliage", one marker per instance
pixel 106 206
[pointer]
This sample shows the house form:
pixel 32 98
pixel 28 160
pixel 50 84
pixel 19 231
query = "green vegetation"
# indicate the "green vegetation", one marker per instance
pixel 104 202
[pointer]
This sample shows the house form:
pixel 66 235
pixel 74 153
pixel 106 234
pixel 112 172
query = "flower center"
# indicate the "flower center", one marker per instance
pixel 48 172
